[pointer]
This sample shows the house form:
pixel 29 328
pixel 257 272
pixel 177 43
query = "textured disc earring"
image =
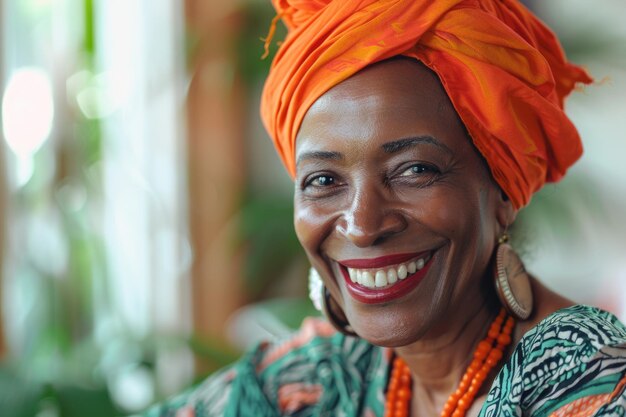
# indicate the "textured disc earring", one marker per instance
pixel 512 281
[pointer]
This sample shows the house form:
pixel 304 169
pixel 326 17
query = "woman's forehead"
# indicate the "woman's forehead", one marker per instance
pixel 388 78
pixel 393 98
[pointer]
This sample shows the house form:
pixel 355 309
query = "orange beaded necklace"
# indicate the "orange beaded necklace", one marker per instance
pixel 487 355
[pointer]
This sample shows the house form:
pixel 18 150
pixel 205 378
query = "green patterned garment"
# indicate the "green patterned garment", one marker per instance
pixel 571 364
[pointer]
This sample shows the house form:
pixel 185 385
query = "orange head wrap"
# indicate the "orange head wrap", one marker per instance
pixel 503 70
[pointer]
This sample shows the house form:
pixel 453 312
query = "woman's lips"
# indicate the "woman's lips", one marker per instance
pixel 383 279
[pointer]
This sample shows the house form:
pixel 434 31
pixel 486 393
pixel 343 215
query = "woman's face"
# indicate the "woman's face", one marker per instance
pixel 394 206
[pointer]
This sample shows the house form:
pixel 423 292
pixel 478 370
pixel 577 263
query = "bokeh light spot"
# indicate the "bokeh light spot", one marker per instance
pixel 27 111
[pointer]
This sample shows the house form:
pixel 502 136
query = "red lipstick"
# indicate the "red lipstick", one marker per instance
pixel 386 294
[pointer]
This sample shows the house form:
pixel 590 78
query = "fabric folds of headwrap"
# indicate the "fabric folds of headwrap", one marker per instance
pixel 503 69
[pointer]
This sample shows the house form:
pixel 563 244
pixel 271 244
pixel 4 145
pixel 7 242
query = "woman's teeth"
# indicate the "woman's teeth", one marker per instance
pixel 377 278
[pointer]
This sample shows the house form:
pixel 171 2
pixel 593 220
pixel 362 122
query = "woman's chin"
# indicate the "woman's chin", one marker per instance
pixel 389 333
pixel 387 342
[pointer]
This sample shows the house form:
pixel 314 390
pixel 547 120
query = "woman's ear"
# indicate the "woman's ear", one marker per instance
pixel 505 213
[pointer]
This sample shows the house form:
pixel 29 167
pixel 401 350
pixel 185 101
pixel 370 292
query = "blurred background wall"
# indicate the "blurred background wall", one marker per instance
pixel 146 220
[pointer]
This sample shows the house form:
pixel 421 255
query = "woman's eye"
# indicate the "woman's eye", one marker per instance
pixel 418 169
pixel 322 181
pixel 419 175
pixel 321 185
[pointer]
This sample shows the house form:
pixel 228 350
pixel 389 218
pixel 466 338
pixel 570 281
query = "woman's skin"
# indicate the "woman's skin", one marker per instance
pixel 385 167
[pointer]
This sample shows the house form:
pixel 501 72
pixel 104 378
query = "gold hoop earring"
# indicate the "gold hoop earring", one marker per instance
pixel 512 282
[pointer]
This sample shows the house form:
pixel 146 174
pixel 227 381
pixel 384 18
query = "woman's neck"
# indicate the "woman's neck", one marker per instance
pixel 439 360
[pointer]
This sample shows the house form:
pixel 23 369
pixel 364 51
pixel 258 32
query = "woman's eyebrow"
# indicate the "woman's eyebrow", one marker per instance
pixel 400 144
pixel 323 155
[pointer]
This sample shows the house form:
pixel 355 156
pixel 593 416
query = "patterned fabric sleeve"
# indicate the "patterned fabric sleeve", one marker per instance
pixel 572 364
pixel 596 405
pixel 207 400
pixel 317 372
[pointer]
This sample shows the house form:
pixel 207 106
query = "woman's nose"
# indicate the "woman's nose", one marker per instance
pixel 370 219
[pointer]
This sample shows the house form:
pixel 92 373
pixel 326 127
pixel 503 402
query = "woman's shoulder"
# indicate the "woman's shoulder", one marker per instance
pixel 285 376
pixel 574 357
pixel 578 328
pixel 309 353
pixel 317 367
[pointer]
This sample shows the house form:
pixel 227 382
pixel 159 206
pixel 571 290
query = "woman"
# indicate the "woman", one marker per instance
pixel 415 131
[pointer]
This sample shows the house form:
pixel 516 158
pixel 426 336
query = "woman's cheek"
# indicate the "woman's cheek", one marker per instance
pixel 439 211
pixel 309 226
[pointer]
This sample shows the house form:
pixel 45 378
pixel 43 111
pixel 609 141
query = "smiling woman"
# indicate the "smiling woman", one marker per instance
pixel 415 131
pixel 405 187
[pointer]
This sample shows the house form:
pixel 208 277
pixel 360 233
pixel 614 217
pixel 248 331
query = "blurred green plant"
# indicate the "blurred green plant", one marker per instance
pixel 81 387
pixel 255 18
pixel 271 244
pixel 63 371
pixel 21 397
